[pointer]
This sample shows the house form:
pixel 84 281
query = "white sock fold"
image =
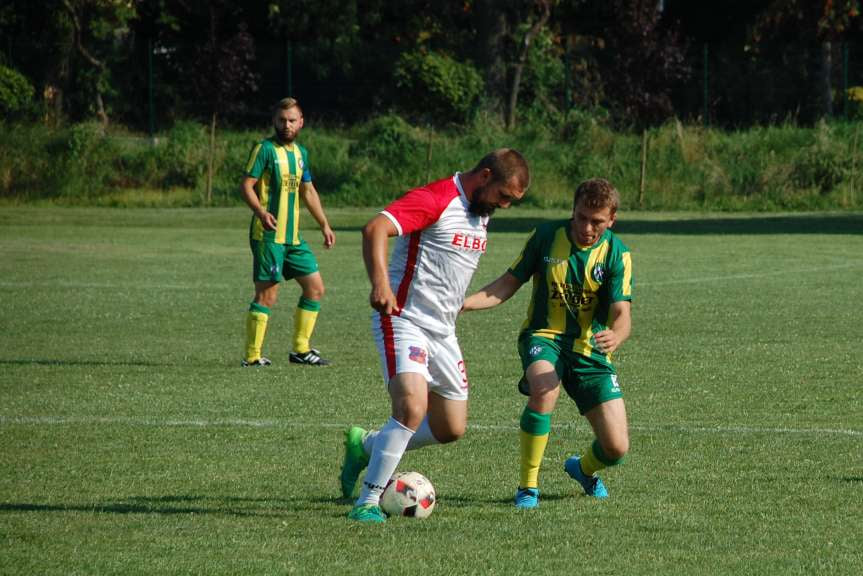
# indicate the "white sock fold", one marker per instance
pixel 388 447
pixel 422 437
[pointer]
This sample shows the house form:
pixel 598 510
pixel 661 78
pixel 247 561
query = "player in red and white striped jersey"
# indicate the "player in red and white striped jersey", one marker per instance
pixel 441 230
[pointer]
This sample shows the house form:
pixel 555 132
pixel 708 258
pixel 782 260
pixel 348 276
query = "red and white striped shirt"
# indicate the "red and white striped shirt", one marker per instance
pixel 437 251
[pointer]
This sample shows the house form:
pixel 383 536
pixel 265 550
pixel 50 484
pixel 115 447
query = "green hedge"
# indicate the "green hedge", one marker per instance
pixel 783 167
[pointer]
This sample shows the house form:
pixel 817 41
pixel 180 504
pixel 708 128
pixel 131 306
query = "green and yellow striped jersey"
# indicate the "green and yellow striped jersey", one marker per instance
pixel 279 170
pixel 573 287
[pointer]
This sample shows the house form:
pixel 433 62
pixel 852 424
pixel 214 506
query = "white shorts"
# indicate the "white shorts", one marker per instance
pixel 405 347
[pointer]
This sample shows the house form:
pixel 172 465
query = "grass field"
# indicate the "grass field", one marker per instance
pixel 131 442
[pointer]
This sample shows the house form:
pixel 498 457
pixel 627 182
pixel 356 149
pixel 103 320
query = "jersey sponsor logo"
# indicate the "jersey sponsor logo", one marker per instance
pixel 469 242
pixel 417 354
pixel 573 296
pixel 550 260
pixel 598 273
pixel 615 387
pixel 535 351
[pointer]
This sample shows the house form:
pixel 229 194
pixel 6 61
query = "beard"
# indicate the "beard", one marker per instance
pixel 286 136
pixel 478 206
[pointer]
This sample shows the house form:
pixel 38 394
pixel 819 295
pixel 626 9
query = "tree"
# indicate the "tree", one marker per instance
pixel 544 8
pixel 819 23
pixel 216 54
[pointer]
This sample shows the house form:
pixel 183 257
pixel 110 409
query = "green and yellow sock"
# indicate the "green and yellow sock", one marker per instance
pixel 595 459
pixel 256 328
pixel 533 438
pixel 305 317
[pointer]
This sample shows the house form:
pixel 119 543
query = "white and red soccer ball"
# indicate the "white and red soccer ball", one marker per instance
pixel 408 494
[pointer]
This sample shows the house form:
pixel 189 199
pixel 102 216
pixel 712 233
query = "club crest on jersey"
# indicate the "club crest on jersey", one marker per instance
pixel 417 354
pixel 598 273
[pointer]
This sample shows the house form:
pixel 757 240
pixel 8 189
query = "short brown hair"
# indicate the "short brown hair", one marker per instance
pixel 287 104
pixel 506 163
pixel 597 193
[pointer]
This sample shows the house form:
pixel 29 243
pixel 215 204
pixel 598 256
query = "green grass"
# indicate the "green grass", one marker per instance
pixel 132 443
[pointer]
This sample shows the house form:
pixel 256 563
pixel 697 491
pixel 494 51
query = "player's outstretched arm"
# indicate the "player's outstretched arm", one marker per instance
pixel 491 295
pixel 313 203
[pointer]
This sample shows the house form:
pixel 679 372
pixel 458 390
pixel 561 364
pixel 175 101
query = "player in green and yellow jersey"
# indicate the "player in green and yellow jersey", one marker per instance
pixel 579 314
pixel 277 178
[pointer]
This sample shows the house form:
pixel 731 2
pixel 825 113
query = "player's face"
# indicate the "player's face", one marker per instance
pixel 588 224
pixel 493 195
pixel 287 124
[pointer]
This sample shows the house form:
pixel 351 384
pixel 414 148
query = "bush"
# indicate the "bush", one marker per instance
pixel 821 166
pixel 183 158
pixel 855 102
pixel 16 93
pixel 434 86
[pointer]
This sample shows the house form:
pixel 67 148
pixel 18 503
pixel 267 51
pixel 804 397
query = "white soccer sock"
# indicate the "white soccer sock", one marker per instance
pixel 388 449
pixel 422 437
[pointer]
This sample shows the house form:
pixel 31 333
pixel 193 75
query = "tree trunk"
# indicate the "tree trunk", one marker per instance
pixel 76 24
pixel 518 71
pixel 823 89
pixel 492 26
pixel 211 159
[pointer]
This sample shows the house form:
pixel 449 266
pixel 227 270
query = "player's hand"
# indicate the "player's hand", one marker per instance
pixel 383 300
pixel 607 341
pixel 329 237
pixel 268 220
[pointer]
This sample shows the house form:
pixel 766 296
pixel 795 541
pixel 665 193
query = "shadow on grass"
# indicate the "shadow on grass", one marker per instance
pixel 472 501
pixel 53 362
pixel 177 505
pixel 762 224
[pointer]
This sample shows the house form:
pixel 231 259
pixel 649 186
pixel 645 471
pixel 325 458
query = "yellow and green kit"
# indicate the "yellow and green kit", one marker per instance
pixel 279 169
pixel 573 286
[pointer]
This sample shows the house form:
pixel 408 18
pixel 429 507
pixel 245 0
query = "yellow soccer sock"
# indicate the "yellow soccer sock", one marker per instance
pixel 533 438
pixel 592 461
pixel 256 328
pixel 305 317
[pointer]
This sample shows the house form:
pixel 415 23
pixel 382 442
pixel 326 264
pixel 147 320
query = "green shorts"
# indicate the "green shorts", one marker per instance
pixel 588 382
pixel 274 262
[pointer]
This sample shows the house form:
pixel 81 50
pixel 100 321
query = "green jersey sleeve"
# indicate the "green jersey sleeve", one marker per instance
pixel 620 281
pixel 525 264
pixel 304 158
pixel 260 160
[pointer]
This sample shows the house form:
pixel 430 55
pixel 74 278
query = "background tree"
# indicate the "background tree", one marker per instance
pixel 819 24
pixel 218 64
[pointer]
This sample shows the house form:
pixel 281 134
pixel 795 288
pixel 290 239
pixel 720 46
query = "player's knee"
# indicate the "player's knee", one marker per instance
pixel 314 292
pixel 543 398
pixel 451 434
pixel 616 449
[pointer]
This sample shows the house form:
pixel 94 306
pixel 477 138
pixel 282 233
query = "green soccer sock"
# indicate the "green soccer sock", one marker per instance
pixel 595 459
pixel 533 438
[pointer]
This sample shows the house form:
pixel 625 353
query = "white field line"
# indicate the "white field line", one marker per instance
pixel 695 280
pixel 266 423
pixel 754 276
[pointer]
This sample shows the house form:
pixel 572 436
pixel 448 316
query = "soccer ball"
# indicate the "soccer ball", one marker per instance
pixel 408 494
